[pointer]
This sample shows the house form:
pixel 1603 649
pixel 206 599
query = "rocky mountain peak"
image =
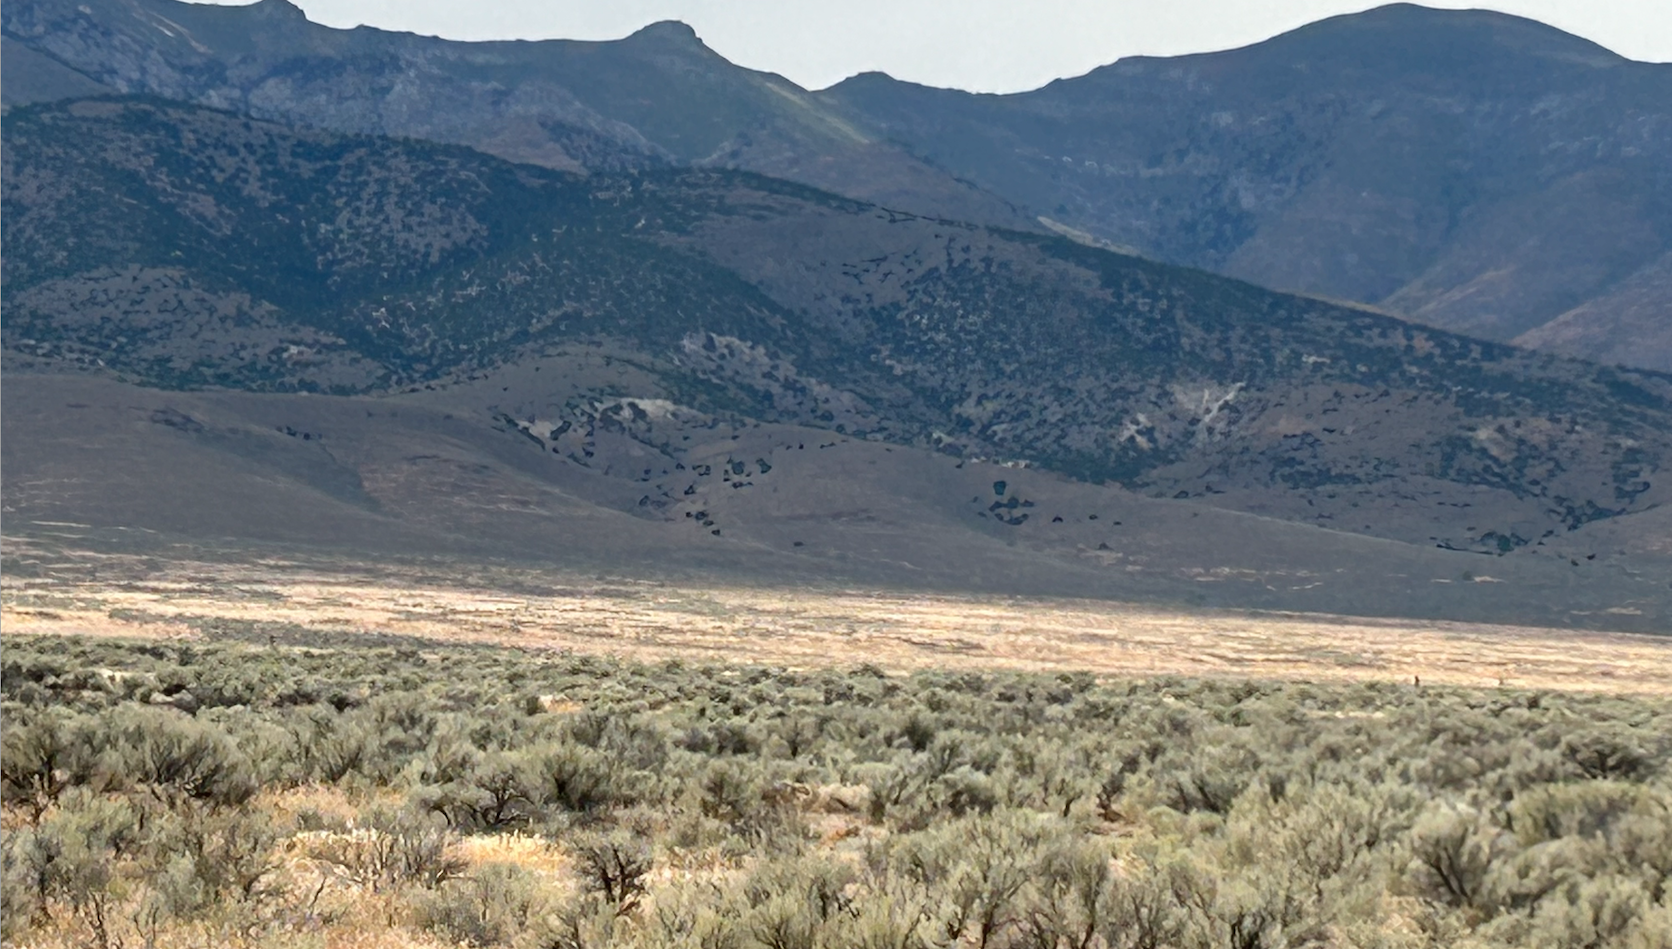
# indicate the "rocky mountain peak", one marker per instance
pixel 668 31
pixel 277 9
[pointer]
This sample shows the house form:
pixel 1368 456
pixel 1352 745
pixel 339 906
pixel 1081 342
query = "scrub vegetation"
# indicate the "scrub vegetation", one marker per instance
pixel 190 249
pixel 194 793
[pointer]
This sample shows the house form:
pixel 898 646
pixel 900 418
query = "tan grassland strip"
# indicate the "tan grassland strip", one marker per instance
pixel 82 593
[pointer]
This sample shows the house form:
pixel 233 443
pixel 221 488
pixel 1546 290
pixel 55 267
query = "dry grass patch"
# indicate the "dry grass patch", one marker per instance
pixel 535 854
pixel 301 605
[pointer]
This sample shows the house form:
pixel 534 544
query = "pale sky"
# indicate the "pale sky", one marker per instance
pixel 979 45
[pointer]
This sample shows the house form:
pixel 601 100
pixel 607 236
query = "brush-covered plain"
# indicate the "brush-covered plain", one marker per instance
pixel 195 793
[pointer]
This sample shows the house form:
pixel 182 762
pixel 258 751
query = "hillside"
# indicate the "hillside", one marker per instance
pixel 186 248
pixel 692 498
pixel 655 98
pixel 28 76
pixel 1470 170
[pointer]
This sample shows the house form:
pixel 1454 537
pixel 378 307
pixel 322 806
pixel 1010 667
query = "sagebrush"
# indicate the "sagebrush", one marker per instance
pixel 192 793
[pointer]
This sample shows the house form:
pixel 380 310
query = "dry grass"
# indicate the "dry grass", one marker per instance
pixel 331 803
pixel 535 854
pixel 103 595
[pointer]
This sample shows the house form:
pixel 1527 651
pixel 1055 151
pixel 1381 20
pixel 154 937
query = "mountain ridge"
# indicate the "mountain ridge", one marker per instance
pixel 655 97
pixel 142 237
pixel 1409 158
pixel 615 335
pixel 1464 169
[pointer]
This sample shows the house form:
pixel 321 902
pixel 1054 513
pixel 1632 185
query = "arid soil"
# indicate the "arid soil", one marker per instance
pixel 321 603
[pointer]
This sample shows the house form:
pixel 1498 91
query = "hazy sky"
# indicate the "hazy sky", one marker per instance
pixel 981 45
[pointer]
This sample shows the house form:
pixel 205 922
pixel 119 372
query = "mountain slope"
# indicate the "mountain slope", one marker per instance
pixel 28 76
pixel 94 463
pixel 186 247
pixel 657 97
pixel 1627 325
pixel 1472 170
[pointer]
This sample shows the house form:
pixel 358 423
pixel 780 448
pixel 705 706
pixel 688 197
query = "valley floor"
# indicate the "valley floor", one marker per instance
pixel 48 589
pixel 354 786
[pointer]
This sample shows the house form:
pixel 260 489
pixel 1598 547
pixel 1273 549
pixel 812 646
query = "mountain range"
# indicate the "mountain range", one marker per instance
pixel 252 297
pixel 1471 170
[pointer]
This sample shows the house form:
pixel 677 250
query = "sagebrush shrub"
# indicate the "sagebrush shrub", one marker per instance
pixel 730 808
pixel 491 906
